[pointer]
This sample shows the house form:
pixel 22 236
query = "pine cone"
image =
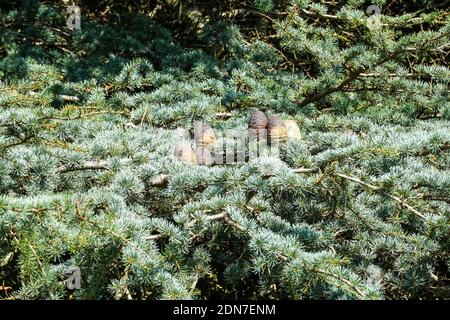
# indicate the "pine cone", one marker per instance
pixel 258 120
pixel 293 131
pixel 204 135
pixel 204 156
pixel 276 129
pixel 257 126
pixel 184 153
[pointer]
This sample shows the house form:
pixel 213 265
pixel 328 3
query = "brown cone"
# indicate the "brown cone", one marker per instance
pixel 184 153
pixel 276 129
pixel 258 120
pixel 205 136
pixel 204 156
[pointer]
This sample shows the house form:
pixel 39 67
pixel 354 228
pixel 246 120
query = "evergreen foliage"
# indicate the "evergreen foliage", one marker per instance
pixel 358 208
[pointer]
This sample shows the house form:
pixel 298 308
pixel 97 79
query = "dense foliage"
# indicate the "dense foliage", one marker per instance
pixel 358 208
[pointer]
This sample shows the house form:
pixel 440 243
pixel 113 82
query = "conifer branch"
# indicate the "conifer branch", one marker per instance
pixel 69 98
pixel 158 180
pixel 162 179
pixel 328 274
pixel 379 189
pixel 318 14
pixel 88 165
pixel 190 224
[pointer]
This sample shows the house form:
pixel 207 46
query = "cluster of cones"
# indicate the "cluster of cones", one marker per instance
pixel 272 129
pixel 205 139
